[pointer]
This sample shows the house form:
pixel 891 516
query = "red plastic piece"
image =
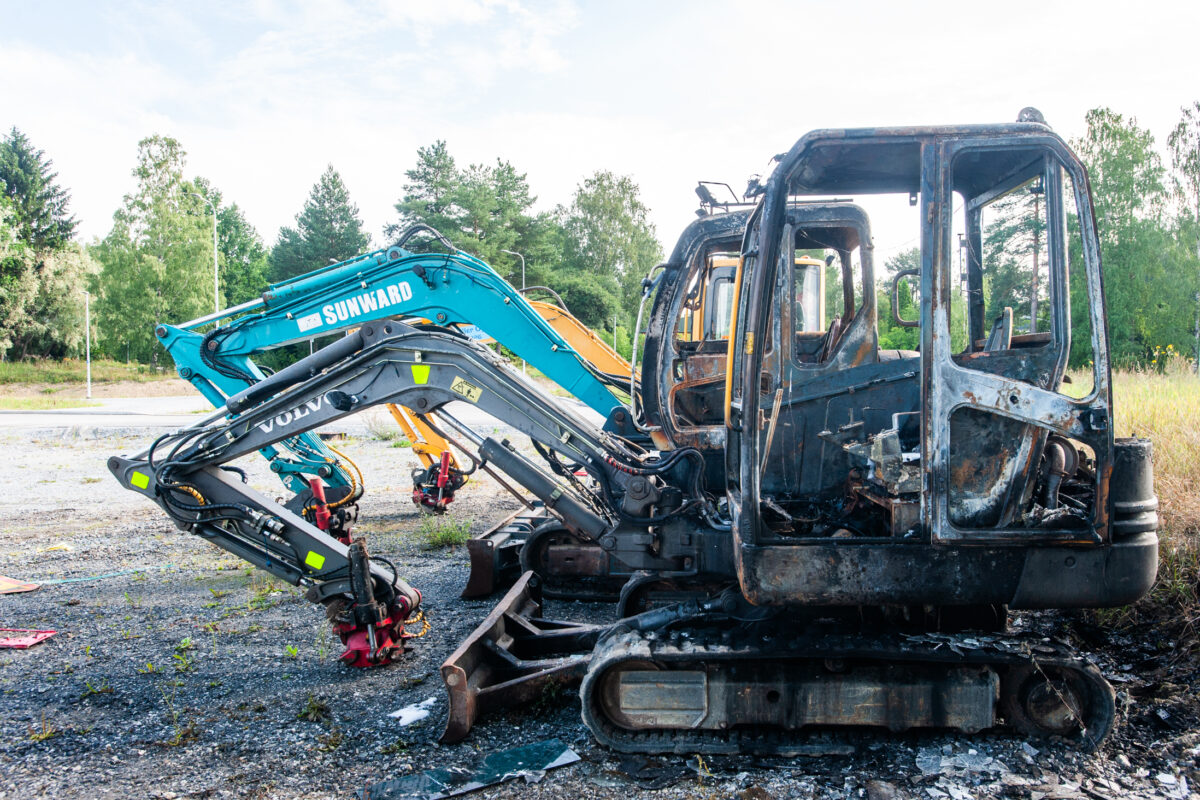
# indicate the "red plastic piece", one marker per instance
pixel 14 586
pixel 21 638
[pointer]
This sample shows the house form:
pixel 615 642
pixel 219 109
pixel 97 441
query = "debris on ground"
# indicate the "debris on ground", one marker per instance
pixel 529 762
pixel 14 586
pixel 415 713
pixel 22 638
pixel 181 677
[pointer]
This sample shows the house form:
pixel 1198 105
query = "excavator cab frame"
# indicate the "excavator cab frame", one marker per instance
pixel 850 470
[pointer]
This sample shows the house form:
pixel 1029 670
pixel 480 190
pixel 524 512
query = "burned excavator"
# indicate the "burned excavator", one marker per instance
pixel 879 511
pixel 889 508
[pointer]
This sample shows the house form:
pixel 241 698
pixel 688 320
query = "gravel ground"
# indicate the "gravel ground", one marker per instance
pixel 182 672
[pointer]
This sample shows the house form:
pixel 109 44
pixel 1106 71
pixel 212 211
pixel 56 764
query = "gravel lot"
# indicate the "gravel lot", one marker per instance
pixel 180 672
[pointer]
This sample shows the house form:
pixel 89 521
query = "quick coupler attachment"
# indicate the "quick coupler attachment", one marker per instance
pixel 371 628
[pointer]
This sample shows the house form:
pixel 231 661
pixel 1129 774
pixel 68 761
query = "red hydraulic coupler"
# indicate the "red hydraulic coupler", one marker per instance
pixel 442 479
pixel 374 645
pixel 320 507
pixel 372 632
pixel 434 487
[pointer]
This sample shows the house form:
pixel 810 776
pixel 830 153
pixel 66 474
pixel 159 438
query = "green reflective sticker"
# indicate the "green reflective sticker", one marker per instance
pixel 420 373
pixel 314 560
pixel 139 479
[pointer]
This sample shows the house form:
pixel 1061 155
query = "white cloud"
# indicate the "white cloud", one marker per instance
pixel 264 96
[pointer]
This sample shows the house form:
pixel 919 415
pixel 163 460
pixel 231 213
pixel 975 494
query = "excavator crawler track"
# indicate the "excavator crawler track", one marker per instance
pixel 736 689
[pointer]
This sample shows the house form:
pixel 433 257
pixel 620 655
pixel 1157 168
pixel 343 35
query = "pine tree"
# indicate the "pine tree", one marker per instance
pixel 485 210
pixel 38 203
pixel 328 229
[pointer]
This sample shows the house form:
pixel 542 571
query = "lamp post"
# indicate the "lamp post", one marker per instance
pixel 87 336
pixel 518 255
pixel 216 284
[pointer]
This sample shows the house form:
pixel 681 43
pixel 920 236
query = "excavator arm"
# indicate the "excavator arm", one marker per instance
pixel 449 289
pixel 187 473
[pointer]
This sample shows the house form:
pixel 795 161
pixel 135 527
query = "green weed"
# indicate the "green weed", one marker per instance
pixel 314 709
pixel 437 532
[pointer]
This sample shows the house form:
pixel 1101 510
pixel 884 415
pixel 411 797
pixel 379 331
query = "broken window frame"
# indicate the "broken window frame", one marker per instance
pixel 949 384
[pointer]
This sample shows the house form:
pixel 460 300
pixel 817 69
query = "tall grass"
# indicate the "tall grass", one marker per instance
pixel 1163 405
pixel 75 371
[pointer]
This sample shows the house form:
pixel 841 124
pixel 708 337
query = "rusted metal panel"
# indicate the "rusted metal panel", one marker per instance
pixel 566 560
pixel 512 657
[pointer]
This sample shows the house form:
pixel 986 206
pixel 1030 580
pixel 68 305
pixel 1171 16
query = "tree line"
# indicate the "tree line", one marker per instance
pixel 154 265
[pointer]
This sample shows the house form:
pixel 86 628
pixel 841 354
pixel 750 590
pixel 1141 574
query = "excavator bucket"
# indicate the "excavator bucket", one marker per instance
pixel 513 657
pixel 496 553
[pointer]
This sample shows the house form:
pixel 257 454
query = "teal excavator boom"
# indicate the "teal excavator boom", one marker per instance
pixel 450 288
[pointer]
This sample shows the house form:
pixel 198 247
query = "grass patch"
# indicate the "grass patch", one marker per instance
pixel 46 732
pixel 75 371
pixel 437 532
pixel 381 427
pixel 42 403
pixel 1163 405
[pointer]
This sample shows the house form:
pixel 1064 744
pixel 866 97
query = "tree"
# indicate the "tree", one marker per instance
pixel 328 229
pixel 38 203
pixel 50 324
pixel 485 210
pixel 1014 258
pixel 891 335
pixel 1148 287
pixel 428 195
pixel 1184 145
pixel 607 232
pixel 41 269
pixel 243 259
pixel 154 259
pixel 593 299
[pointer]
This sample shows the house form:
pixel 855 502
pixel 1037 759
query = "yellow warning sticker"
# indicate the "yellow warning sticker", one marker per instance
pixel 420 373
pixel 314 560
pixel 139 479
pixel 466 389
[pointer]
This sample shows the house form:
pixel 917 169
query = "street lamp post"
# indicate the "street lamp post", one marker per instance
pixel 216 279
pixel 518 255
pixel 87 336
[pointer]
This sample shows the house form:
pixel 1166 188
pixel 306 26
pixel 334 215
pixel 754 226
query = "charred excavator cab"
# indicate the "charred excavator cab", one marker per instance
pixel 884 501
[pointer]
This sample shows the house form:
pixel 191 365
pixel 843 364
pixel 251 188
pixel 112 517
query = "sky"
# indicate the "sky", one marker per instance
pixel 264 94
